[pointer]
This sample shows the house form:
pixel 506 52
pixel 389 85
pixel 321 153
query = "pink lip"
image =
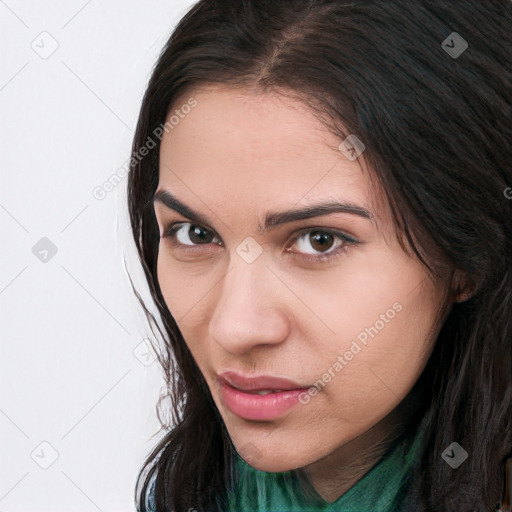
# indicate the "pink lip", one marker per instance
pixel 237 397
pixel 257 382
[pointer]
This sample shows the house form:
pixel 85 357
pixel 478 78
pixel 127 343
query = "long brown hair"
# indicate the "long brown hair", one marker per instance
pixel 437 132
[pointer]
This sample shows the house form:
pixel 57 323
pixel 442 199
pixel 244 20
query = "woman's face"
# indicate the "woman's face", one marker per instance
pixel 358 325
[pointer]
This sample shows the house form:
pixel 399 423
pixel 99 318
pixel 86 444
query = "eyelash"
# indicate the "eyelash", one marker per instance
pixel 171 231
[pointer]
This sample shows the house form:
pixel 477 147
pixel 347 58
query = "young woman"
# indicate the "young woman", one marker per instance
pixel 320 196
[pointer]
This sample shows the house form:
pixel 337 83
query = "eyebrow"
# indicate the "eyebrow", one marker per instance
pixel 272 219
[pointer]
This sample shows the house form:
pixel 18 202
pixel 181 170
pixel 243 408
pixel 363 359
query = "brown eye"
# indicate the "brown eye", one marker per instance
pixel 191 234
pixel 315 244
pixel 319 241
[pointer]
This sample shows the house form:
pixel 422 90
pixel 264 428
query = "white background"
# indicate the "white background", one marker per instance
pixel 69 326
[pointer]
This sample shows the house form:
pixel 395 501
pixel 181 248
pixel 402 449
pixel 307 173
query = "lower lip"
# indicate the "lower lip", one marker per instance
pixel 259 407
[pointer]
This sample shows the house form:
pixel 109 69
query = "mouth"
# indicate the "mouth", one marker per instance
pixel 261 391
pixel 258 398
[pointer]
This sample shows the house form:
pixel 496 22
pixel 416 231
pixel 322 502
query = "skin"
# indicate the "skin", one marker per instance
pixel 237 155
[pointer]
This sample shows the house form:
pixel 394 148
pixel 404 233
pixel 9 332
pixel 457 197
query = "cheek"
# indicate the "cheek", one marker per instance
pixel 381 337
pixel 383 298
pixel 183 286
pixel 185 291
pixel 384 359
pixel 169 282
pixel 178 295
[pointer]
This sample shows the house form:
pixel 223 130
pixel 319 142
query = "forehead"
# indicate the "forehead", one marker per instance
pixel 255 149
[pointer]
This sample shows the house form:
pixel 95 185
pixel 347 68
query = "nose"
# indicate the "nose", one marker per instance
pixel 249 311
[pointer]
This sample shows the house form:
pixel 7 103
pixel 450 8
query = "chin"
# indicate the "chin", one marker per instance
pixel 272 461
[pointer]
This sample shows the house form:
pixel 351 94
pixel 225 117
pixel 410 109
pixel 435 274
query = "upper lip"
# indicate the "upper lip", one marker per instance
pixel 258 382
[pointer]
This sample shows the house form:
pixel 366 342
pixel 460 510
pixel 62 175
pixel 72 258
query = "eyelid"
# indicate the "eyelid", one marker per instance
pixel 332 231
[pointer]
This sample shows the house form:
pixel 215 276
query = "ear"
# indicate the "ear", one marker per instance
pixel 462 286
